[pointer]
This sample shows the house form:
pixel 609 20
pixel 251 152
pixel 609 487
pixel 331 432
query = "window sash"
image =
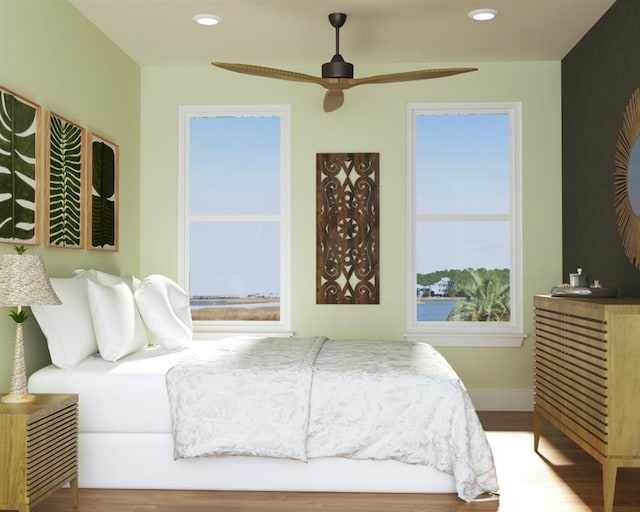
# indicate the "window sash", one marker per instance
pixel 186 113
pixel 466 333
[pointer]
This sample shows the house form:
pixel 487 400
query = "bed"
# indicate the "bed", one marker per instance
pixel 367 416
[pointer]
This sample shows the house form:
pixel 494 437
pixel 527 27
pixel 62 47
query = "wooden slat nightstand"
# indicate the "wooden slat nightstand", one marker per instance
pixel 38 450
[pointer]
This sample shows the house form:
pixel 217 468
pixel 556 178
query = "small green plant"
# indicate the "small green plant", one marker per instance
pixel 21 315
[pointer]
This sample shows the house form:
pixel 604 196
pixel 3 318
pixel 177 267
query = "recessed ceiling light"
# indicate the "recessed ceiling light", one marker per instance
pixel 483 14
pixel 206 19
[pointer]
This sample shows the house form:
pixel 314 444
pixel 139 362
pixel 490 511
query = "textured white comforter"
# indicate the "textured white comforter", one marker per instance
pixel 243 396
pixel 304 398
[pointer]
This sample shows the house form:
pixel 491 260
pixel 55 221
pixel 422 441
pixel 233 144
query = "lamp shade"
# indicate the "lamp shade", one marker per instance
pixel 24 281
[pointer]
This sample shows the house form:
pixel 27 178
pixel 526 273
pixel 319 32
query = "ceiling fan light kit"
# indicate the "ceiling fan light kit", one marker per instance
pixel 337 74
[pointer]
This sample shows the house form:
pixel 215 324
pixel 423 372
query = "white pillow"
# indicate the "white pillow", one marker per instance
pixel 109 279
pixel 68 327
pixel 164 308
pixel 116 322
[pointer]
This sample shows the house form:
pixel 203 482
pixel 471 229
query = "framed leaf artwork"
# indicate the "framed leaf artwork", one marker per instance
pixel 19 168
pixel 65 179
pixel 103 194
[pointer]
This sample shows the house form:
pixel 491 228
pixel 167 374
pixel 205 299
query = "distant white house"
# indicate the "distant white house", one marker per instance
pixel 438 289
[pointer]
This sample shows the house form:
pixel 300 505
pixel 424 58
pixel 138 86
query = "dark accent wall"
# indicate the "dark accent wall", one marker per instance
pixel 598 77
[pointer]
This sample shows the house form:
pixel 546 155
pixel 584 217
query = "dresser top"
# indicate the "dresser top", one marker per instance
pixel 622 301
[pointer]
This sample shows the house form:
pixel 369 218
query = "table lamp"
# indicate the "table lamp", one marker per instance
pixel 23 282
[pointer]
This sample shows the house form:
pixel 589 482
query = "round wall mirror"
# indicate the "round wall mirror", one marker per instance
pixel 627 179
pixel 633 177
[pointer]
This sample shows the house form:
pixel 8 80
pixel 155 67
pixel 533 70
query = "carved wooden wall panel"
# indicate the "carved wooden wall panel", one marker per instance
pixel 347 228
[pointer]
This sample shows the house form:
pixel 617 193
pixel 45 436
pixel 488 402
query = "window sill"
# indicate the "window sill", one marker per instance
pixel 439 339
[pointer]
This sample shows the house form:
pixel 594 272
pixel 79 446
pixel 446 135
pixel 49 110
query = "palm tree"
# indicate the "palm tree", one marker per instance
pixel 487 300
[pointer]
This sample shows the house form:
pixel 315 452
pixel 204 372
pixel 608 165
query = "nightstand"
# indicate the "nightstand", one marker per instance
pixel 38 450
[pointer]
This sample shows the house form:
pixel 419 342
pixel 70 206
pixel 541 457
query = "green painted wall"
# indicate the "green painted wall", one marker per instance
pixel 372 119
pixel 52 55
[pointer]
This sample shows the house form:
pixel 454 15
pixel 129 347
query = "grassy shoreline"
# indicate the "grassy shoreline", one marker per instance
pixel 267 313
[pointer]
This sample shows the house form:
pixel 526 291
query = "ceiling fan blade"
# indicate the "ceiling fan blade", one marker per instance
pixel 333 100
pixel 249 69
pixel 337 75
pixel 407 76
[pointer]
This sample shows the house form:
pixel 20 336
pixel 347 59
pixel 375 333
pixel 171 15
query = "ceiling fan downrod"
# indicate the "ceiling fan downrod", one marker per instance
pixel 337 67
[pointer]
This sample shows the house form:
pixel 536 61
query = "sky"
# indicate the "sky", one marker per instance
pixel 235 171
pixel 463 167
pixel 235 165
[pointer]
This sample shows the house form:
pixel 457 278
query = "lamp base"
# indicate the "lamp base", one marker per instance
pixel 18 391
pixel 18 399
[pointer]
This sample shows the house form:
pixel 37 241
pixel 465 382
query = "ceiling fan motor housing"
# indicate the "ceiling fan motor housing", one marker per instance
pixel 337 68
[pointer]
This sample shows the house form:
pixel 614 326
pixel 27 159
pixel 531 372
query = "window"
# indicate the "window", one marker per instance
pixel 234 205
pixel 464 269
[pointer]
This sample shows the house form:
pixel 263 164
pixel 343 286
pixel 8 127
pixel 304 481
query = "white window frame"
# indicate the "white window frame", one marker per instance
pixel 468 334
pixel 208 329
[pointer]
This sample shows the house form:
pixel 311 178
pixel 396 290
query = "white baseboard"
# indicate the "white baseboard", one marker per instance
pixel 501 400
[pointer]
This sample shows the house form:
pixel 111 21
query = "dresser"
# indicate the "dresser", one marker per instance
pixel 38 450
pixel 587 378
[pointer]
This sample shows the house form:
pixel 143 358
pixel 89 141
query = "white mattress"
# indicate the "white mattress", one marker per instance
pixel 127 396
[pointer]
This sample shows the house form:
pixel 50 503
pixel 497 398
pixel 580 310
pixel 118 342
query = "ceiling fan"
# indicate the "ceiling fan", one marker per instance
pixel 337 75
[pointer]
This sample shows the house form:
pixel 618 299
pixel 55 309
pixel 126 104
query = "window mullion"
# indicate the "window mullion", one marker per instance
pixel 464 218
pixel 235 218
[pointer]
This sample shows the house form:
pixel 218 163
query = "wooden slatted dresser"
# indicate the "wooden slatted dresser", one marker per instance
pixel 587 378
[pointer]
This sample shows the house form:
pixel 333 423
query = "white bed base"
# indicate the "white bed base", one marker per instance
pixel 145 461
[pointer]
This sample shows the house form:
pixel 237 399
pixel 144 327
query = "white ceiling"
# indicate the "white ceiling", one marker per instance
pixel 297 32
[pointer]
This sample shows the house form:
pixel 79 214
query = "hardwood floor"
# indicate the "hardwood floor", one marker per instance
pixel 562 478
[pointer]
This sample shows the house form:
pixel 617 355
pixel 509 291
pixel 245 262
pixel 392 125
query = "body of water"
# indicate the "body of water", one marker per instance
pixel 435 310
pixel 197 304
